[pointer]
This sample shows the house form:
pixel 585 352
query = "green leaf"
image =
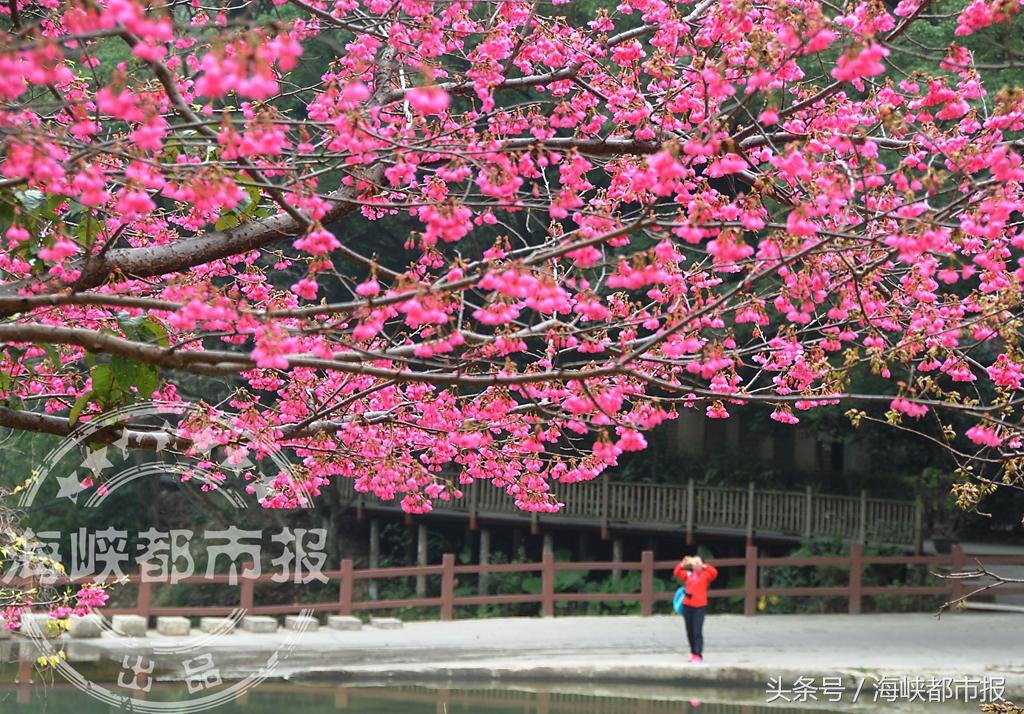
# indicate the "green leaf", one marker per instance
pixel 157 331
pixel 227 220
pixel 251 203
pixel 146 381
pixel 6 215
pixel 131 326
pixel 128 373
pixel 103 386
pixel 79 405
pixel 52 203
pixel 144 328
pixel 570 580
pixel 51 354
pixel 532 585
pixel 84 233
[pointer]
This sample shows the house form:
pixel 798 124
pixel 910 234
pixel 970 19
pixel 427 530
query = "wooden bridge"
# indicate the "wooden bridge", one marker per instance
pixel 657 508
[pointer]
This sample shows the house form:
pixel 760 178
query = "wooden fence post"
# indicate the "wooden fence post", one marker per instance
pixel 808 513
pixel 862 531
pixel 957 564
pixel 473 491
pixel 856 577
pixel 750 581
pixel 604 505
pixel 485 558
pixel 347 586
pixel 247 597
pixel 918 531
pixel 647 583
pixel 547 577
pixel 447 586
pixel 691 507
pixel 616 558
pixel 372 589
pixel 421 559
pixel 750 513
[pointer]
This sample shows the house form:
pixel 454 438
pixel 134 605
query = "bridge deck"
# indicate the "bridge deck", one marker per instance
pixel 659 508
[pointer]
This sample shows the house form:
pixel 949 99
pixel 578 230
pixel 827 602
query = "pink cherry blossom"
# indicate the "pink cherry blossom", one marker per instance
pixel 428 100
pixel 317 242
pixel 461 242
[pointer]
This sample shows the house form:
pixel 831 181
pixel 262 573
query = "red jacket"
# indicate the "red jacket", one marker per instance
pixel 696 584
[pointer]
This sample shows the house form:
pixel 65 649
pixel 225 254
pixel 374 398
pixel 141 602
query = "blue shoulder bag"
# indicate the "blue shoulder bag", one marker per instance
pixel 677 600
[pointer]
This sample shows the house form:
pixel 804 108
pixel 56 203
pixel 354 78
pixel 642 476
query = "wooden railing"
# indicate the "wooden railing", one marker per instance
pixel 349 600
pixel 607 503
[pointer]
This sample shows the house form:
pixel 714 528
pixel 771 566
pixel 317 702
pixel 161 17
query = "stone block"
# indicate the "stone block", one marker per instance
pixel 344 622
pixel 386 623
pixel 259 624
pixel 87 627
pixel 301 623
pixel 216 625
pixel 173 626
pixel 130 625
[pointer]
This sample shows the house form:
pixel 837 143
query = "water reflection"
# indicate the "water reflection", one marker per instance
pixel 277 698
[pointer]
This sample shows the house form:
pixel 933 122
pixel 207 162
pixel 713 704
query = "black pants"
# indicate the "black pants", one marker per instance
pixel 694 617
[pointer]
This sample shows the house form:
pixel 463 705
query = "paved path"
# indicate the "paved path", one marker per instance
pixel 738 650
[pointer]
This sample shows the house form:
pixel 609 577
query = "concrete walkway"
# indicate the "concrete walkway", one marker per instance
pixel 738 651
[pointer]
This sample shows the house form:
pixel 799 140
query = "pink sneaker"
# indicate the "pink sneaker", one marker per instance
pixel 696 659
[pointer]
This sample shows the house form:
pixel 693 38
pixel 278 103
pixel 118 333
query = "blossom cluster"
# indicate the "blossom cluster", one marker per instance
pixel 483 242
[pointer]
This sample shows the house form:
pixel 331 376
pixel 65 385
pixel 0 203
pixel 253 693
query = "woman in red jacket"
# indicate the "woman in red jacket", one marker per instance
pixel 696 575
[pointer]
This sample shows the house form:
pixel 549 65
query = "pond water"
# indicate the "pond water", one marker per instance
pixel 284 698
pixel 278 698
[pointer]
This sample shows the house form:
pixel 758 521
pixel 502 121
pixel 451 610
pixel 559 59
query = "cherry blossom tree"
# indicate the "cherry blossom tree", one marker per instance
pixel 419 244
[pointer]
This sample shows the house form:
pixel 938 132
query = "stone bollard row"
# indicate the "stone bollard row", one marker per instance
pixel 92 626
